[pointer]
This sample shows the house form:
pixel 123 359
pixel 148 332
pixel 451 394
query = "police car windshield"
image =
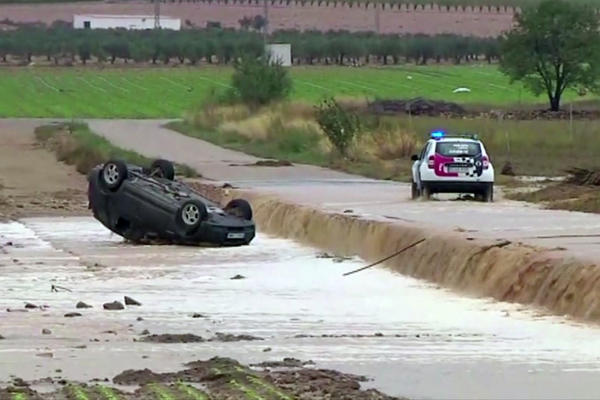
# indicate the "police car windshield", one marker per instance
pixel 458 149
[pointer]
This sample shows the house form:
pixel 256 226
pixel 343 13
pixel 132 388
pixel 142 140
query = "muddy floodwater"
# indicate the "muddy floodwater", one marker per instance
pixel 411 338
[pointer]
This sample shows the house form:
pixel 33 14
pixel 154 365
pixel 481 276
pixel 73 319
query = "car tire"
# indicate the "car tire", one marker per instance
pixel 240 208
pixel 112 174
pixel 426 192
pixel 164 168
pixel 190 215
pixel 488 194
pixel 414 190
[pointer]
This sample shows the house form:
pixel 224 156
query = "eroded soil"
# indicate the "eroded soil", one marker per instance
pixel 217 378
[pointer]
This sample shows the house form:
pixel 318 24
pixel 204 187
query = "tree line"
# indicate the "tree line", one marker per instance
pixel 61 44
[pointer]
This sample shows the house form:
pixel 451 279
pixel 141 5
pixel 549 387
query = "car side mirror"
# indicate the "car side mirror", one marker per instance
pixel 414 157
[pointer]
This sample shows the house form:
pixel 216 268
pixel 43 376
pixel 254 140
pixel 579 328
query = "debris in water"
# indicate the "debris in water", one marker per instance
pixel 228 337
pixel 288 362
pixel 72 314
pixel 56 288
pixel 131 302
pixel 115 305
pixel 173 338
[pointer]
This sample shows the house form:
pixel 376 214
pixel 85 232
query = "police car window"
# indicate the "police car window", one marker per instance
pixel 458 149
pixel 424 151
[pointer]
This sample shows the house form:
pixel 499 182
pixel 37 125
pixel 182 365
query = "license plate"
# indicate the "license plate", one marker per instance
pixel 460 170
pixel 235 235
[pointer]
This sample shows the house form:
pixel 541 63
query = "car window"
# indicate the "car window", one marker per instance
pixel 458 149
pixel 424 151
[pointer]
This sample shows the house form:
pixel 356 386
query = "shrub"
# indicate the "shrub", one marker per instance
pixel 340 126
pixel 258 81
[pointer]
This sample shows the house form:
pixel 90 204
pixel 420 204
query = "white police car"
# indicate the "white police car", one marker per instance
pixel 453 164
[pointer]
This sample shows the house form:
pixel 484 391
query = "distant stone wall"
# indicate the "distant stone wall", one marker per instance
pixel 320 15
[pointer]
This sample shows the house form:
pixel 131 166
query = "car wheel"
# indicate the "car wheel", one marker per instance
pixel 163 169
pixel 113 173
pixel 414 191
pixel 488 194
pixel 240 208
pixel 191 214
pixel 426 192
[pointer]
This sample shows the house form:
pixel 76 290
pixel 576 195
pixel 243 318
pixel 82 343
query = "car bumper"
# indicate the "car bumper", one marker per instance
pixel 222 235
pixel 457 187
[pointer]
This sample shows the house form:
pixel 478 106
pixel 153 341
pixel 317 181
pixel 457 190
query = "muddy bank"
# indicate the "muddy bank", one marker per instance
pixel 217 378
pixel 511 272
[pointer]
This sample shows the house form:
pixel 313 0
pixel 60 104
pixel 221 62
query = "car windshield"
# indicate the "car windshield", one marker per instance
pixel 457 149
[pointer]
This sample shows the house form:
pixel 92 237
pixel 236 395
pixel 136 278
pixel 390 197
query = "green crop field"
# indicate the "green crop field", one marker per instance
pixel 168 92
pixel 457 3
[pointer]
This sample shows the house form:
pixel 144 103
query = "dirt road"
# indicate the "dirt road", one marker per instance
pixel 32 182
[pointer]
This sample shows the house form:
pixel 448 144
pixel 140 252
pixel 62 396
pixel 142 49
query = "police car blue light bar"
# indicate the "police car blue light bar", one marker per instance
pixel 437 134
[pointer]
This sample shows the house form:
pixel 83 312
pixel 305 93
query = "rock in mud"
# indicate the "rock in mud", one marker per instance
pixel 115 305
pixel 131 302
pixel 46 331
pixel 139 377
pixel 287 362
pixel 72 314
pixel 272 163
pixel 18 382
pixel 228 337
pixel 81 304
pixel 238 276
pixel 173 338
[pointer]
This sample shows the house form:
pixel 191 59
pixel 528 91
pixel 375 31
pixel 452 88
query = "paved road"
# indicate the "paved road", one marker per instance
pixel 579 233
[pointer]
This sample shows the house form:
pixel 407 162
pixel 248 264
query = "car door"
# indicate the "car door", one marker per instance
pixel 417 165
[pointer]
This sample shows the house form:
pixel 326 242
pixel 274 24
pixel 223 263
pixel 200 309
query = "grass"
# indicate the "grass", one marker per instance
pixel 164 92
pixel 288 132
pixel 75 144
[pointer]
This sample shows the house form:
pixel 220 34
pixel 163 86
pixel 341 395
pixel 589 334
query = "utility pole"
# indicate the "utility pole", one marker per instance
pixel 377 27
pixel 266 15
pixel 156 14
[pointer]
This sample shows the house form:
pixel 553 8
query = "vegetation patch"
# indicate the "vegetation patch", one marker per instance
pixel 75 144
pixel 579 192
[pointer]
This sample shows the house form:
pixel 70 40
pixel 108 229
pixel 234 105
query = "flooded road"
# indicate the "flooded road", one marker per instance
pixel 411 338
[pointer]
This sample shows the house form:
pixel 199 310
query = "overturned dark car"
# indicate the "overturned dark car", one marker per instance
pixel 149 205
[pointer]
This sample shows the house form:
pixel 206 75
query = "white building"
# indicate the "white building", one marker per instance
pixel 281 53
pixel 102 21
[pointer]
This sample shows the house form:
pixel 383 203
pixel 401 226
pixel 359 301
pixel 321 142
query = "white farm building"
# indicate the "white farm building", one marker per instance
pixel 103 21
